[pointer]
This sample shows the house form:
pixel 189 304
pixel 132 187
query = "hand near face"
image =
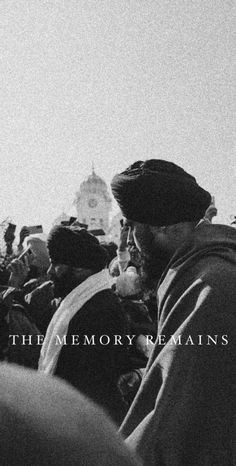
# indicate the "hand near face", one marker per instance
pixel 19 271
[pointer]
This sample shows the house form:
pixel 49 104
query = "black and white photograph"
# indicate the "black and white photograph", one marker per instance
pixel 118 232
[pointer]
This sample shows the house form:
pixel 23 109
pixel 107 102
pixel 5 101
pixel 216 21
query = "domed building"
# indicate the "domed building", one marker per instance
pixel 93 203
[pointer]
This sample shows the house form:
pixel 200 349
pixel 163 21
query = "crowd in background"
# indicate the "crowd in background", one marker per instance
pixel 29 299
pixel 89 313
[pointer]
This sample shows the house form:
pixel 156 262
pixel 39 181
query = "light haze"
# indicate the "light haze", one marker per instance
pixel 111 82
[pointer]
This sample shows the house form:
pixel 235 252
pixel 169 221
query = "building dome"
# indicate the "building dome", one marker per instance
pixel 93 203
pixel 94 184
pixel 94 178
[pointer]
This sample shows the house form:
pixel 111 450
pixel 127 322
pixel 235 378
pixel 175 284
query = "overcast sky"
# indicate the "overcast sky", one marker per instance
pixel 111 82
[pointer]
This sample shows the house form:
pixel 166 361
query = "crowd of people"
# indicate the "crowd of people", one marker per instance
pixel 123 354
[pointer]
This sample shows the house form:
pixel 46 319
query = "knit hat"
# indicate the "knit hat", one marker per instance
pixel 157 192
pixel 76 247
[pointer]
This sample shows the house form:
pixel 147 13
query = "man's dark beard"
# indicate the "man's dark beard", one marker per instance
pixel 153 266
pixel 154 260
pixel 64 284
pixel 69 280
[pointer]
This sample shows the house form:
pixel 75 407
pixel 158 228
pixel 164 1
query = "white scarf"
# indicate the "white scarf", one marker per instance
pixel 59 324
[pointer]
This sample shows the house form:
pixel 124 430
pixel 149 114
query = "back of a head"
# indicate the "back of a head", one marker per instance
pixel 46 422
pixel 159 193
pixel 76 247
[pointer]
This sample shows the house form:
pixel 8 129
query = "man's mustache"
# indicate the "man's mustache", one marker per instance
pixel 153 265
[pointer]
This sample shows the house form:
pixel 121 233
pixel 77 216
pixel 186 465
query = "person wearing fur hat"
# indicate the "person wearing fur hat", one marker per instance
pixel 185 410
pixel 78 345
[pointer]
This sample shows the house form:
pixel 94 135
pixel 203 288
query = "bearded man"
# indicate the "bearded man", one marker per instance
pixel 184 411
pixel 79 343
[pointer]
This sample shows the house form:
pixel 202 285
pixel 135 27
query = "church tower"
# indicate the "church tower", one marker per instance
pixel 93 203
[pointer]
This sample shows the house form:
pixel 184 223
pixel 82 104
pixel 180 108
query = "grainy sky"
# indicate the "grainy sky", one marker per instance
pixel 111 82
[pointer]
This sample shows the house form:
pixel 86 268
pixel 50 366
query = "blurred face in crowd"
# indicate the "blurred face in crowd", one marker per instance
pixel 65 278
pixel 61 276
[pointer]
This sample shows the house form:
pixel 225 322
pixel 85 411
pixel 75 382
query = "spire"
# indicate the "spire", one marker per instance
pixel 93 171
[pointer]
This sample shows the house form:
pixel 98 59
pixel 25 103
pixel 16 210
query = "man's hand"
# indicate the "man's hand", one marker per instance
pixel 19 271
